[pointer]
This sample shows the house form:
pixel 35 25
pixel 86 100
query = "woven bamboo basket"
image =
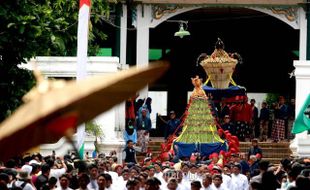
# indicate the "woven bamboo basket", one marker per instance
pixel 219 68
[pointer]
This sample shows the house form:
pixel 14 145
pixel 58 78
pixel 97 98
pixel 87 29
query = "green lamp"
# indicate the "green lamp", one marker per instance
pixel 182 32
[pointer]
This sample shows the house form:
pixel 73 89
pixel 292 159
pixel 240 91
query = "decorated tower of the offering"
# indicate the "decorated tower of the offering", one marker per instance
pixel 199 124
pixel 219 66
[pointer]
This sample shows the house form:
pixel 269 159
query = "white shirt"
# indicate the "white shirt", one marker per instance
pixel 210 187
pixel 111 188
pixel 93 184
pixel 192 177
pixel 113 175
pixel 163 185
pixel 227 182
pixel 240 182
pixel 158 175
pixel 119 183
pixel 185 184
pixel 57 173
pixel 28 186
pixel 59 188
pixel 222 187
pixel 291 184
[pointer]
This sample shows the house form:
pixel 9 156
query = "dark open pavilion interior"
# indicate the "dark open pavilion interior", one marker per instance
pixel 265 43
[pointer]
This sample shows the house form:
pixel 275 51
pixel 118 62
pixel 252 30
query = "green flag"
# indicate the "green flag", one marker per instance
pixel 302 122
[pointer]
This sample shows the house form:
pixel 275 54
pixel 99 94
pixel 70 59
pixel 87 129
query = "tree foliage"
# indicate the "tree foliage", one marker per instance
pixel 47 28
pixel 94 129
pixel 272 98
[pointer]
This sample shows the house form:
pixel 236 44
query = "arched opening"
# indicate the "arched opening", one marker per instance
pixel 265 43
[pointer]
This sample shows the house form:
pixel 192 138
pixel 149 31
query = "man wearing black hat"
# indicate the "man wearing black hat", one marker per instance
pixel 171 125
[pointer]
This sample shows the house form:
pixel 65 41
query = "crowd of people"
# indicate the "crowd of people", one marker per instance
pixel 239 117
pixel 244 120
pixel 238 172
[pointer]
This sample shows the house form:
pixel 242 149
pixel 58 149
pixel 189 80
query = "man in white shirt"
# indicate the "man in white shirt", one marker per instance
pixel 108 181
pixel 239 181
pixel 172 184
pixel 207 182
pixel 217 182
pixel 226 179
pixel 182 184
pixel 64 183
pixel 158 173
pixel 93 170
pixel 58 168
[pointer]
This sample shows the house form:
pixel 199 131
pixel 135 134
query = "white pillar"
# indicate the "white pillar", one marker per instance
pixel 302 75
pixel 300 145
pixel 110 122
pixel 302 34
pixel 144 17
pixel 120 117
pixel 123 45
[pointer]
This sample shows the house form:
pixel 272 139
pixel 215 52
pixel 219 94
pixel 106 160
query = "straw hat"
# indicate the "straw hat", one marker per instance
pixel 52 114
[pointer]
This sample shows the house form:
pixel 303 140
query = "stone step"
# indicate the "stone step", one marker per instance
pixel 273 160
pixel 273 152
pixel 242 149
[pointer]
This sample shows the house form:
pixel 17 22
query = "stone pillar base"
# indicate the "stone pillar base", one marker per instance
pixel 300 146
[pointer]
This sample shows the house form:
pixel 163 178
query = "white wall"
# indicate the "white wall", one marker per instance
pixel 159 104
pixel 259 98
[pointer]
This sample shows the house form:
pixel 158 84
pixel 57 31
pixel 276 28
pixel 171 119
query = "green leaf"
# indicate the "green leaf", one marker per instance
pixel 10 25
pixel 21 29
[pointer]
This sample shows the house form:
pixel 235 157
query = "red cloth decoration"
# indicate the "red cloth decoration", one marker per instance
pixel 61 125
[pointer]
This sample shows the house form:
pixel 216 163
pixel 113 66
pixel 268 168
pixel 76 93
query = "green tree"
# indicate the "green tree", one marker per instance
pixel 94 129
pixel 29 28
pixel 272 98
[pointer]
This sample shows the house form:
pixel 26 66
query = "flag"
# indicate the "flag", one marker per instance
pixel 81 71
pixel 302 122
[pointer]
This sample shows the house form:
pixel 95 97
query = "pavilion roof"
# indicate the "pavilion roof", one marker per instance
pixel 226 2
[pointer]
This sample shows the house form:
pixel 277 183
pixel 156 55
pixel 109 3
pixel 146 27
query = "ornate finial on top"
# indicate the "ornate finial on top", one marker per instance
pixel 219 44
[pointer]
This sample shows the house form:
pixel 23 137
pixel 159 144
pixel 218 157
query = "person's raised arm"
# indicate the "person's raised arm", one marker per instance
pixel 162 119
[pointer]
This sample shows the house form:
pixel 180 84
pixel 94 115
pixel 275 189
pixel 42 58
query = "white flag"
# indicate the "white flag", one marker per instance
pixel 81 70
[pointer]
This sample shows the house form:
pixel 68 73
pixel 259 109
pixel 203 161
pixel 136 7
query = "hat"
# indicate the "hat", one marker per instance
pixel 237 165
pixel 23 175
pixel 214 155
pixel 218 168
pixel 172 112
pixel 234 155
pixel 147 159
